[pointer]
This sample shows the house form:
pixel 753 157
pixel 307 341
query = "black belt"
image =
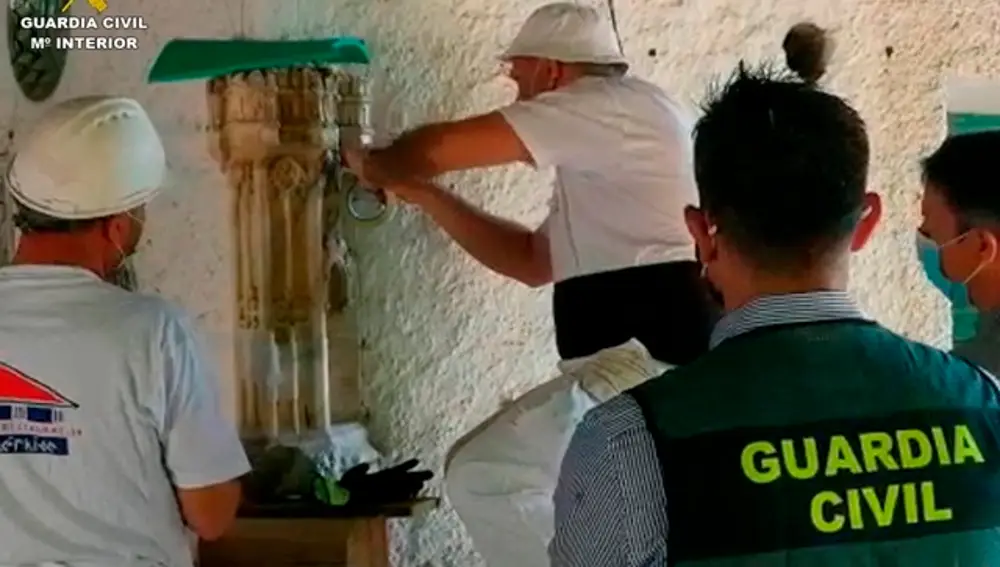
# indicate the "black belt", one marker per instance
pixel 666 306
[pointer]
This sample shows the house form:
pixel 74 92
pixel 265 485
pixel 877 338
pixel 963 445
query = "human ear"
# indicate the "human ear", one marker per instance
pixel 870 218
pixel 702 232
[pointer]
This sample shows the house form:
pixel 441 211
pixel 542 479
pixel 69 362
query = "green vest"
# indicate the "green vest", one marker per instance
pixel 828 444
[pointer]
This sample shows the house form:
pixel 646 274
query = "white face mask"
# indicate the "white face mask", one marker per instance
pixel 123 274
pixel 124 277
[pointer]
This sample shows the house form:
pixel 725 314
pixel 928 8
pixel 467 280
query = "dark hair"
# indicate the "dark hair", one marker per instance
pixel 781 167
pixel 961 169
pixel 807 51
pixel 31 221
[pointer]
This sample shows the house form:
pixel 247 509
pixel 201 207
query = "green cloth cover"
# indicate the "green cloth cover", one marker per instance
pixel 202 59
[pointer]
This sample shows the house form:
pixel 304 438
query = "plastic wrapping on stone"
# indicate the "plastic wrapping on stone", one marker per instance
pixel 276 134
pixel 343 446
pixel 282 341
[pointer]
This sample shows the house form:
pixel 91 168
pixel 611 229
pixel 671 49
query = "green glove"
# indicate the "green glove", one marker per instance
pixel 328 491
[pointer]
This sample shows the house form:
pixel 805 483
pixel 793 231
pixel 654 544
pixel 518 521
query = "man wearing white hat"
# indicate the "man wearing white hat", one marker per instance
pixel 112 443
pixel 614 243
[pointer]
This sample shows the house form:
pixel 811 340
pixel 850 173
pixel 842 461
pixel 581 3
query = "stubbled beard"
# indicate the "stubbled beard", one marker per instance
pixel 124 276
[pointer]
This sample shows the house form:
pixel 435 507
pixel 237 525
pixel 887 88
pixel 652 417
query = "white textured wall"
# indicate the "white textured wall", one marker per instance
pixel 445 339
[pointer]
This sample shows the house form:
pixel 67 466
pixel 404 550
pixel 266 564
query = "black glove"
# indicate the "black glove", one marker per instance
pixel 280 474
pixel 396 484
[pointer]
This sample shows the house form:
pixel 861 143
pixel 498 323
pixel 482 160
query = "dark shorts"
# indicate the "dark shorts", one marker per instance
pixel 666 306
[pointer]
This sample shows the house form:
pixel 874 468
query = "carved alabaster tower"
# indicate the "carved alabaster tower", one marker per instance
pixel 276 135
pixel 279 112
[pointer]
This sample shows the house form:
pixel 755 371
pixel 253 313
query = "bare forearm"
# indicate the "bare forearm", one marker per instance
pixel 505 247
pixel 408 156
pixel 431 150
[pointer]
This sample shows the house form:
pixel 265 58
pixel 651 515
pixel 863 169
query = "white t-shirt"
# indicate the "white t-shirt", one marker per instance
pixel 622 151
pixel 106 404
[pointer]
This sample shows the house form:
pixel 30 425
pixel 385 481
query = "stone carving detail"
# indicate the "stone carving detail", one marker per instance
pixel 276 134
pixel 286 175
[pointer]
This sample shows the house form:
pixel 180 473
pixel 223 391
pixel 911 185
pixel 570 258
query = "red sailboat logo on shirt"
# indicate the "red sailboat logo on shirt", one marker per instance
pixel 32 416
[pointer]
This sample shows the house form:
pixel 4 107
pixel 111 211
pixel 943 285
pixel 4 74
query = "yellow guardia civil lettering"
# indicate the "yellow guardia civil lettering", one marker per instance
pixel 905 449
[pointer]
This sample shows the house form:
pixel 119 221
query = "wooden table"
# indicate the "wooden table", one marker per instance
pixel 309 536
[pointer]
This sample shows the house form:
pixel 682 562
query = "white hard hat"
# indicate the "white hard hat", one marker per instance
pixel 89 157
pixel 567 32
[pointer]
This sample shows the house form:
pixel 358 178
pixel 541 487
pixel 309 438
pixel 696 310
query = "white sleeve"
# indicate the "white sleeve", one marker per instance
pixel 563 127
pixel 201 447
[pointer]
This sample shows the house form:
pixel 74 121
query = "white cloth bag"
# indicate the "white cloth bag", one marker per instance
pixel 501 476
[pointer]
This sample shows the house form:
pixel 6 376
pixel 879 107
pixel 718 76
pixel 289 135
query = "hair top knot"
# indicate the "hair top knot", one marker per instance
pixel 807 51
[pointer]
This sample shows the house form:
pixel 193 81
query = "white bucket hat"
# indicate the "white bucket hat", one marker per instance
pixel 567 32
pixel 89 157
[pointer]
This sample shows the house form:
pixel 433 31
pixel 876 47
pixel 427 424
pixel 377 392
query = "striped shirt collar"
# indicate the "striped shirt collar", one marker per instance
pixel 786 309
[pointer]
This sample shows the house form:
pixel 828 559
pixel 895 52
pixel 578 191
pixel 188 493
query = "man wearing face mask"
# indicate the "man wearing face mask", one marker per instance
pixel 112 442
pixel 808 434
pixel 959 239
pixel 613 243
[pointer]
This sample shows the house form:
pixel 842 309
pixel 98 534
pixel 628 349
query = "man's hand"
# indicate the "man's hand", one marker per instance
pixel 505 247
pixel 373 173
pixel 360 162
pixel 443 147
